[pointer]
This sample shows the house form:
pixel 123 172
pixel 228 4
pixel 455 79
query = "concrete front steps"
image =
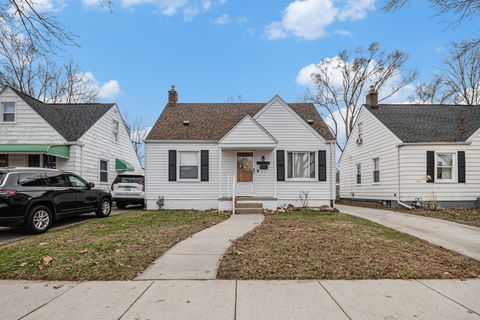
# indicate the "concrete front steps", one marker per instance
pixel 248 205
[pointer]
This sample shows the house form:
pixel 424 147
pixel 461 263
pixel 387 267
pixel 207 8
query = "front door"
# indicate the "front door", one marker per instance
pixel 245 173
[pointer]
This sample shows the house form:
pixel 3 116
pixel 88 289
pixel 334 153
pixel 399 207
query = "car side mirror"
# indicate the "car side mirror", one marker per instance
pixel 91 185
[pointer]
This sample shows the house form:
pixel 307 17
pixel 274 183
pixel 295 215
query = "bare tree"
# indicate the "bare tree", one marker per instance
pixel 462 9
pixel 138 133
pixel 458 81
pixel 22 66
pixel 341 84
pixel 37 22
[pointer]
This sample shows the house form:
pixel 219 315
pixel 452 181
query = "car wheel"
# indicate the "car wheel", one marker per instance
pixel 39 220
pixel 104 208
pixel 121 205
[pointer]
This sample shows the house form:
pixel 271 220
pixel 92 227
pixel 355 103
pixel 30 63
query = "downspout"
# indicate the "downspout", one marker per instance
pixel 398 181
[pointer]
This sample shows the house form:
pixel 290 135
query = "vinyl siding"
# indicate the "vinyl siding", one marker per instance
pixel 156 178
pixel 293 134
pixel 98 144
pixel 413 174
pixel 29 128
pixel 378 142
pixel 247 131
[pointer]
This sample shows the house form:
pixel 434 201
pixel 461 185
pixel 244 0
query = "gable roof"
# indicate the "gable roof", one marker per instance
pixel 211 121
pixel 260 136
pixel 429 123
pixel 71 120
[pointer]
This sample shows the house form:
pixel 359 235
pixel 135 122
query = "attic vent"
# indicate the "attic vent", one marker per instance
pixel 310 121
pixel 186 122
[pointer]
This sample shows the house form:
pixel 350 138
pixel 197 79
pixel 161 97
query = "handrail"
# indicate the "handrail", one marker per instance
pixel 233 192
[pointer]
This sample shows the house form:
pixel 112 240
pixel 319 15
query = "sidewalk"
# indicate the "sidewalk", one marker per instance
pixel 454 236
pixel 242 300
pixel 198 257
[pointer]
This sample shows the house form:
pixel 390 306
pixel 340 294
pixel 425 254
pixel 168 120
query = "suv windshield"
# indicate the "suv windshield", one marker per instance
pixel 129 179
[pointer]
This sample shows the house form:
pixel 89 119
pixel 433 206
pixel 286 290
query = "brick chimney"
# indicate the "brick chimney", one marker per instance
pixel 172 97
pixel 372 98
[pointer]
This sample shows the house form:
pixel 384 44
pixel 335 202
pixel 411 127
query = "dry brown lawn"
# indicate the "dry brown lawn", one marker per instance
pixel 114 248
pixel 312 245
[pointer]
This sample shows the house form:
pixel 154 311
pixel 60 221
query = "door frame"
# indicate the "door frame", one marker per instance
pixel 253 171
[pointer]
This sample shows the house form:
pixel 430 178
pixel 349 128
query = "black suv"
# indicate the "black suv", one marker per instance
pixel 35 197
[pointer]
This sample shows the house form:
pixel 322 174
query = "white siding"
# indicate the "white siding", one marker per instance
pixel 291 133
pixel 99 145
pixel 200 193
pixel 247 131
pixel 413 161
pixel 29 128
pixel 294 134
pixel 263 179
pixel 379 142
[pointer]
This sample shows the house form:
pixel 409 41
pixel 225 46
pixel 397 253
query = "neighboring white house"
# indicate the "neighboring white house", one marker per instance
pixel 413 152
pixel 91 140
pixel 198 155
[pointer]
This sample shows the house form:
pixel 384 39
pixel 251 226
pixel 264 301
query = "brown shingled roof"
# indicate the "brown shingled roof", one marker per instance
pixel 211 121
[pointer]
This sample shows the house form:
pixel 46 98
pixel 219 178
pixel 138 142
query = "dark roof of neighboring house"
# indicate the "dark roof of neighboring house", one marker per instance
pixel 71 120
pixel 211 121
pixel 429 123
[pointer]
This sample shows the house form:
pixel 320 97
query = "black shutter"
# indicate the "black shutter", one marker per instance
pixel 172 165
pixel 431 166
pixel 322 165
pixel 461 167
pixel 280 165
pixel 204 165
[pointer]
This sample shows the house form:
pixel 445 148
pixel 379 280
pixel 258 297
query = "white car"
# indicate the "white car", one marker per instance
pixel 128 189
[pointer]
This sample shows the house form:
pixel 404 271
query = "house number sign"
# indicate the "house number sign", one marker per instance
pixel 263 164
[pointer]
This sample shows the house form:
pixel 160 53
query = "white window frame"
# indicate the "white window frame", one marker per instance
pixel 198 166
pixel 3 112
pixel 358 167
pixel 116 130
pixel 454 167
pixel 100 171
pixel 360 131
pixel 293 165
pixel 373 171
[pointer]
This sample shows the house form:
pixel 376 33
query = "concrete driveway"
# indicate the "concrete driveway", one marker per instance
pixel 454 236
pixel 8 235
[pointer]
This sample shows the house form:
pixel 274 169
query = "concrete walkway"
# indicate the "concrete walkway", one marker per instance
pixel 454 236
pixel 241 300
pixel 198 257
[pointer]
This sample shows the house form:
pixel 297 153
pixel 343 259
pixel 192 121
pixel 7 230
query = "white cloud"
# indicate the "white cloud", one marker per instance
pixel 275 31
pixel 206 4
pixel 342 32
pixel 223 19
pixel 189 8
pixel 356 9
pixel 107 90
pixel 40 6
pixel 309 19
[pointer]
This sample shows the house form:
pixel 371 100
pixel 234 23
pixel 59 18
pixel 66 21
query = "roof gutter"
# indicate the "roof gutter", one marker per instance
pixel 433 143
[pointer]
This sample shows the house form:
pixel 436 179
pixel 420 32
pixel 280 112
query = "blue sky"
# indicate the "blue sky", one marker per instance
pixel 218 49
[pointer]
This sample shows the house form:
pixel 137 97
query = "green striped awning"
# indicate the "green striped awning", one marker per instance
pixel 61 151
pixel 122 165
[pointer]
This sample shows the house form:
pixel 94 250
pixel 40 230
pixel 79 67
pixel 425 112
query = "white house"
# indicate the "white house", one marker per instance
pixel 91 140
pixel 199 155
pixel 400 154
